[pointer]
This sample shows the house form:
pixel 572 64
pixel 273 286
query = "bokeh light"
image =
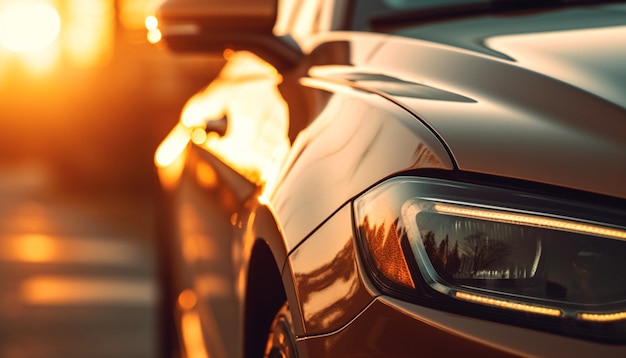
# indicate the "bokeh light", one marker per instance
pixel 29 26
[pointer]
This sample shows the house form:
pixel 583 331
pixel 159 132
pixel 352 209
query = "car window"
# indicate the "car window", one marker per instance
pixel 299 18
pixel 380 15
pixel 364 10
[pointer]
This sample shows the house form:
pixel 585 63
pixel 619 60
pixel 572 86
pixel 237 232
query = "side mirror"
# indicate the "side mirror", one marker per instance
pixel 212 26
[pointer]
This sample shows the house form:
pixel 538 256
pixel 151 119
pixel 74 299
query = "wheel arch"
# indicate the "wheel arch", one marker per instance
pixel 268 282
pixel 263 298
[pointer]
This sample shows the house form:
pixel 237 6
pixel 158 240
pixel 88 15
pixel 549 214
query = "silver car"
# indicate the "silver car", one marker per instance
pixel 397 178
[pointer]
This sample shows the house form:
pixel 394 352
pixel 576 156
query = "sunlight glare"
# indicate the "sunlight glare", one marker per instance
pixel 256 138
pixel 82 290
pixel 154 36
pixel 35 248
pixel 193 339
pixel 152 25
pixel 29 26
pixel 44 248
pixel 133 13
pixel 172 146
pixel 151 22
pixel 90 32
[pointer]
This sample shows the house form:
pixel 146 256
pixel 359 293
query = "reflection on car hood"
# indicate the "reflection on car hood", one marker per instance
pixel 583 46
pixel 543 106
pixel 598 67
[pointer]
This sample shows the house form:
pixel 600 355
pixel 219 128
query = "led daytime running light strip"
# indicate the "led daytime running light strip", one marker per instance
pixel 529 220
pixel 507 304
pixel 602 317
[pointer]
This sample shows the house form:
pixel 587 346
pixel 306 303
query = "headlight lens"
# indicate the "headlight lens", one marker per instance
pixel 498 249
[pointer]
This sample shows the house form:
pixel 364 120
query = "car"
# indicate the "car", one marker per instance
pixel 397 178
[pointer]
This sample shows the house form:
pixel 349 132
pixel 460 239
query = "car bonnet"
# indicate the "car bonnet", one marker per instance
pixel 544 106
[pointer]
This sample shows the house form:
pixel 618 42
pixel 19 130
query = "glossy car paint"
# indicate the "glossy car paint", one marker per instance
pixel 569 128
pixel 356 140
pixel 364 107
pixel 392 328
pixel 329 287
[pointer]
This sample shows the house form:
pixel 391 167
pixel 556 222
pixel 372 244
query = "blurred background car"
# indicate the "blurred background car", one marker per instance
pixel 397 178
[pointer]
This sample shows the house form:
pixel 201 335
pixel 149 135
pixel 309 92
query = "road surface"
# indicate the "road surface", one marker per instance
pixel 76 272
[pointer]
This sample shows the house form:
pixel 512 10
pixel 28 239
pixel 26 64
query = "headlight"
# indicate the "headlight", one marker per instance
pixel 498 254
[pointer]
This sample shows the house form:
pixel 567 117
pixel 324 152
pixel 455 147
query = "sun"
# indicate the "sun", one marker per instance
pixel 29 26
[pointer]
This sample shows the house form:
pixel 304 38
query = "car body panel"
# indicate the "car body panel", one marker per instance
pixel 324 270
pixel 375 139
pixel 579 138
pixel 390 327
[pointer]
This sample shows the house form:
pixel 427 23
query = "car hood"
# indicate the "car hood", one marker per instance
pixel 582 46
pixel 547 107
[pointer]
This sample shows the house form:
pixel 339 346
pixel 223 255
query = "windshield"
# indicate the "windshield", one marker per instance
pixel 381 15
pixel 366 10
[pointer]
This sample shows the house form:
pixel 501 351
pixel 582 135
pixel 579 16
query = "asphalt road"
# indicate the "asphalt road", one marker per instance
pixel 77 273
